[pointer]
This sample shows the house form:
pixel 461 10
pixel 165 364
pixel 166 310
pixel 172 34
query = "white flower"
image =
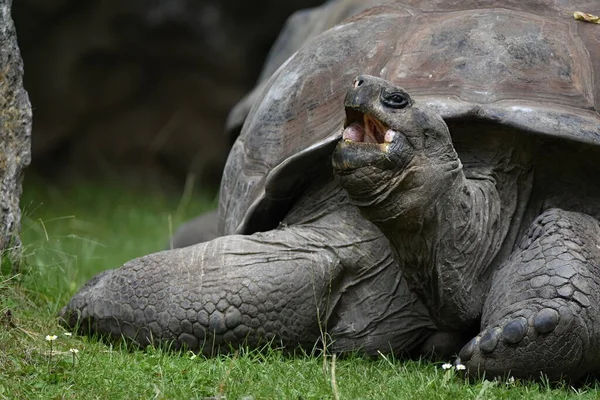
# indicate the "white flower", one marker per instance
pixel 68 334
pixel 510 380
pixel 51 338
pixel 460 367
pixel 74 351
pixel 447 366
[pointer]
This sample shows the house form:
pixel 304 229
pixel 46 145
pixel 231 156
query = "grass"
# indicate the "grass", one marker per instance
pixel 70 234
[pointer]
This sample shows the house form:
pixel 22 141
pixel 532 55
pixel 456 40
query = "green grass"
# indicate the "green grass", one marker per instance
pixel 70 234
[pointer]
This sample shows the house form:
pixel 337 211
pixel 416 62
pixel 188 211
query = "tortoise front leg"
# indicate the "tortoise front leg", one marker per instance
pixel 541 314
pixel 291 285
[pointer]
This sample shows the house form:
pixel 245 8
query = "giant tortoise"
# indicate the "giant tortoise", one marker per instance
pixel 463 199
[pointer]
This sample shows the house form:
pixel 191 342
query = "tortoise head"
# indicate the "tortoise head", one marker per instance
pixel 386 128
pixel 391 143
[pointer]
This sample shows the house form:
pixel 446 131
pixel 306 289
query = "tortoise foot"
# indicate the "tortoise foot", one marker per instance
pixel 540 315
pixel 534 341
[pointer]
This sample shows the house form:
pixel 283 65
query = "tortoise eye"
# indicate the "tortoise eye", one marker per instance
pixel 395 100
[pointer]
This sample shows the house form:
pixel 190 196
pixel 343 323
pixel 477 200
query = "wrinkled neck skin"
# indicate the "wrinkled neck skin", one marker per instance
pixel 445 229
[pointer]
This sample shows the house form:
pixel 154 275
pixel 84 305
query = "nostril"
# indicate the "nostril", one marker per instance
pixel 358 82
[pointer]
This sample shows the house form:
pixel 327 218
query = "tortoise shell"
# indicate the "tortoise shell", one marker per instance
pixel 525 65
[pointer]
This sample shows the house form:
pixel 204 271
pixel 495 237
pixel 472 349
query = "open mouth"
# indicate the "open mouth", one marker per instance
pixel 364 128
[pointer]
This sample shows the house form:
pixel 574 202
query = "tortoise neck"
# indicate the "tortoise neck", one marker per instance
pixel 447 249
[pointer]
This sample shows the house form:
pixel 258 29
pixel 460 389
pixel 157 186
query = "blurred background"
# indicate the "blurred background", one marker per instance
pixel 138 91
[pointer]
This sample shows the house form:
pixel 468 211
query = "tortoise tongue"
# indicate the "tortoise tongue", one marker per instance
pixel 354 132
pixel 357 133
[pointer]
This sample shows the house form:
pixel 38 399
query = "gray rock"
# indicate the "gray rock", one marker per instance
pixel 15 130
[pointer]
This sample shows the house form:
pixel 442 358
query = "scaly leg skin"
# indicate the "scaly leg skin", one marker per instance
pixel 290 285
pixel 541 314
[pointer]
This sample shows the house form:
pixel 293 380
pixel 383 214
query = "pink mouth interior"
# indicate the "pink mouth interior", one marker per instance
pixel 369 130
pixel 354 132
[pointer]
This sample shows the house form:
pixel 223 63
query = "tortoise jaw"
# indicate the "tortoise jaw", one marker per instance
pixel 365 141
